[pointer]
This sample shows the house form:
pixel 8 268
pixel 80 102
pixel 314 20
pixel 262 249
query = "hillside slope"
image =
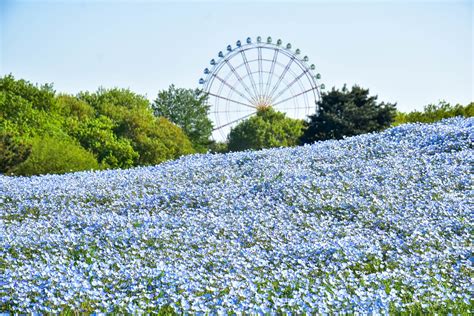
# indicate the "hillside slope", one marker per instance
pixel 378 222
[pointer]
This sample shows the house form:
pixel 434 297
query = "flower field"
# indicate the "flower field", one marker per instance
pixel 376 223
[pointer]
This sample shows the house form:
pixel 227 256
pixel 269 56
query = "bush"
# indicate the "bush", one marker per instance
pixel 218 147
pixel 267 129
pixel 55 155
pixel 14 150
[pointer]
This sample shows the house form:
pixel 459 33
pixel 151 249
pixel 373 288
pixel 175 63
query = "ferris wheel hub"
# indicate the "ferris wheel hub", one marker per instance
pixel 263 102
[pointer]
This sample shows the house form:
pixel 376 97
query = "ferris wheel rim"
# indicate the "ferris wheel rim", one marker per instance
pixel 256 88
pixel 231 54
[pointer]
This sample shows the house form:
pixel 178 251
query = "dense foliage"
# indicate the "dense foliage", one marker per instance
pixel 433 113
pixel 347 113
pixel 373 224
pixel 55 155
pixel 121 129
pixel 268 128
pixel 133 124
pixel 116 126
pixel 188 109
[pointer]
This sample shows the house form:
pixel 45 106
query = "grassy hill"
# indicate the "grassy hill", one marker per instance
pixel 373 223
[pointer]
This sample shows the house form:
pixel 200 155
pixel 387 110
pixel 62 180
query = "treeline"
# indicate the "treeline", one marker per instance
pixel 45 132
pixel 435 112
pixel 42 131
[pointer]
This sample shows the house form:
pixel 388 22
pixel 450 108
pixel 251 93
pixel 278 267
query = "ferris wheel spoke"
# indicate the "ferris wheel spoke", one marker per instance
pixel 287 67
pixel 260 72
pixel 234 121
pixel 232 88
pixel 294 96
pixel 231 100
pixel 239 78
pixel 290 85
pixel 270 75
pixel 247 67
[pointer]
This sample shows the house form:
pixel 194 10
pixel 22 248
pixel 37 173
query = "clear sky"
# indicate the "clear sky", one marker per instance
pixel 409 52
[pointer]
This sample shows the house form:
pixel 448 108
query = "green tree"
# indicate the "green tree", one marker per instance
pixel 26 111
pixel 268 128
pixel 435 112
pixel 97 135
pixel 163 141
pixel 116 126
pixel 55 155
pixel 348 113
pixel 218 147
pixel 41 97
pixel 186 108
pixel 30 108
pixel 154 139
pixel 71 106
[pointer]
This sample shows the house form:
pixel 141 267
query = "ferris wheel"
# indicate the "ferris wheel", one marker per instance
pixel 255 75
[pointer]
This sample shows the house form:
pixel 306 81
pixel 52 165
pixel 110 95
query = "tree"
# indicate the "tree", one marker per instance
pixel 154 139
pixel 97 135
pixel 41 97
pixel 186 108
pixel 32 109
pixel 268 128
pixel 163 141
pixel 218 147
pixel 55 155
pixel 71 106
pixel 348 113
pixel 26 111
pixel 116 127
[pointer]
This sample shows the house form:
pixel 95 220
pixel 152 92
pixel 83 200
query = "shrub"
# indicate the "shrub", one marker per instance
pixel 55 155
pixel 14 150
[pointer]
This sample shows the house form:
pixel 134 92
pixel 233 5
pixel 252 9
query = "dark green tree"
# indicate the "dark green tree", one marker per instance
pixel 13 149
pixel 268 128
pixel 348 113
pixel 186 108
